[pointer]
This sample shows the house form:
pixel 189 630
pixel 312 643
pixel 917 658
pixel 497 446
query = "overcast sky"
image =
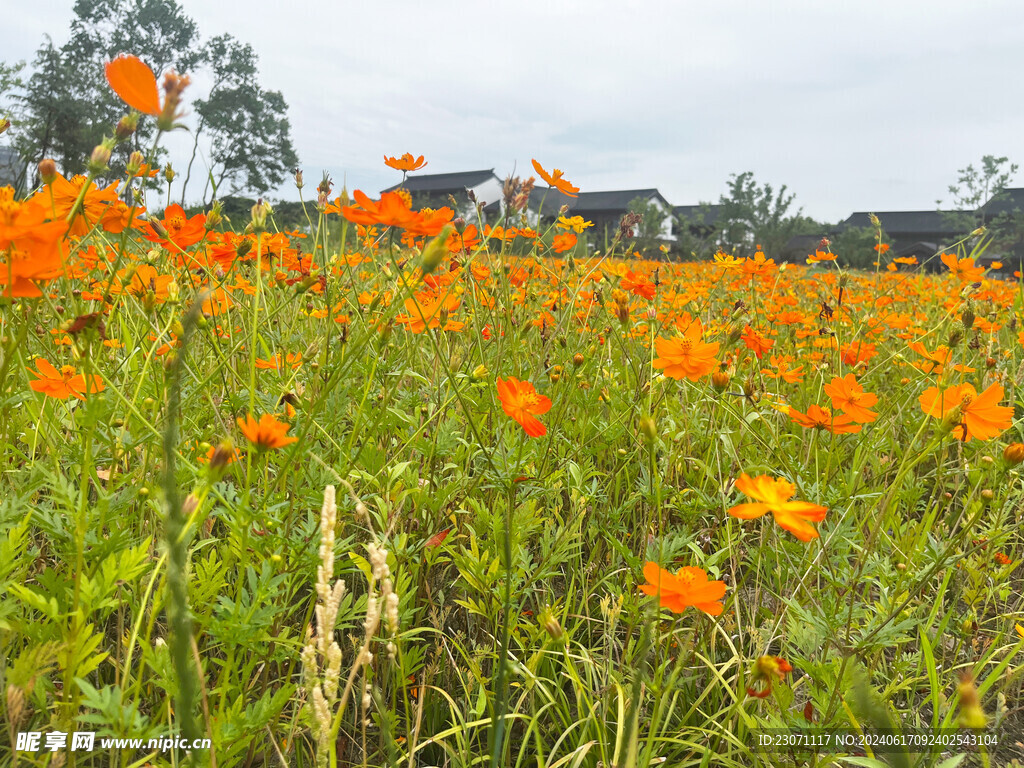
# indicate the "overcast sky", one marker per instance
pixel 856 106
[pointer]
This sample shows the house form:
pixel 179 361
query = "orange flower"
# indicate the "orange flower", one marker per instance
pixel 64 383
pixel 62 194
pixel 857 352
pixel 132 80
pixel 135 83
pixel 755 342
pixel 426 310
pixel 292 359
pixel 686 355
pixel 563 242
pixel 849 396
pixel 773 495
pixel 688 586
pixel 392 210
pixel 818 417
pixel 521 402
pixel 554 179
pixel 405 163
pixel 977 416
pixel 267 433
pixel 179 231
pixel 962 269
pixel 767 669
pixel 30 246
pixel 638 284
pixel 783 370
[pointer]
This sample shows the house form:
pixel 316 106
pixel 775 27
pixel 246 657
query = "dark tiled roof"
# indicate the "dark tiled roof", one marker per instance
pixel 699 214
pixel 899 222
pixel 614 200
pixel 444 182
pixel 551 199
pixel 1011 199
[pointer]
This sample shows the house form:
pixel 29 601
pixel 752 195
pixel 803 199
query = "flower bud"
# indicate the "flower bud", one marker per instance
pixel 479 373
pixel 1013 454
pixel 298 178
pixel 578 359
pixel 648 429
pixel 126 126
pixel 720 380
pixel 215 215
pixel 4 125
pixel 550 623
pixel 259 215
pixel 169 173
pixel 47 170
pixel 434 252
pixel 967 317
pixel 971 713
pixel 99 159
pixel 135 161
pixel 223 455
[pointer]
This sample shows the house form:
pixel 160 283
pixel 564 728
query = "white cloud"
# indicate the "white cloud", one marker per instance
pixel 853 105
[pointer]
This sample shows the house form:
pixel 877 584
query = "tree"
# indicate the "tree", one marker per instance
pixel 10 84
pixel 251 148
pixel 649 230
pixel 754 215
pixel 69 108
pixel 855 247
pixel 980 198
pixel 696 236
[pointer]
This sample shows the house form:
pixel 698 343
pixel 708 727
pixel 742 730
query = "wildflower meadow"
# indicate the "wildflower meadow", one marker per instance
pixel 404 488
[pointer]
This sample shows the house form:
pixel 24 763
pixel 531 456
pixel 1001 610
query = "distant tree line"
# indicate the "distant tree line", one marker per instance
pixel 749 215
pixel 61 107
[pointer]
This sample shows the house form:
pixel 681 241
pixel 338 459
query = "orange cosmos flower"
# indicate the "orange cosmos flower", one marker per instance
pixel 818 417
pixel 849 396
pixel 962 269
pixel 64 383
pixel 784 369
pixel 392 210
pixel 135 83
pixel 978 416
pixel 60 196
pixel 755 342
pixel 426 310
pixel 292 359
pixel 132 80
pixel 554 179
pixel 30 246
pixel 178 231
pixel 857 352
pixel 563 242
pixel 521 402
pixel 267 433
pixel 638 284
pixel 686 355
pixel 405 163
pixel 688 586
pixel 773 495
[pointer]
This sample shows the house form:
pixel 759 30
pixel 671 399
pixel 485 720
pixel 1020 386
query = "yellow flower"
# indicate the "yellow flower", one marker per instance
pixel 576 224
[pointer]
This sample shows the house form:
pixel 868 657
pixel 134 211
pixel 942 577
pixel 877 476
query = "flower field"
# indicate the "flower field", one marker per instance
pixel 407 488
